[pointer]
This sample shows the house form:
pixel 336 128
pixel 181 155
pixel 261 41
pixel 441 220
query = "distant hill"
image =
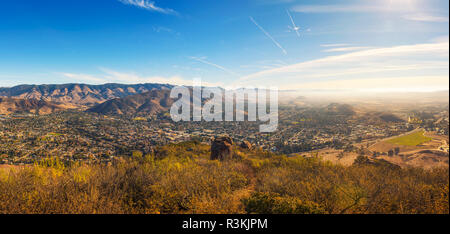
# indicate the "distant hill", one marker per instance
pixel 389 118
pixel 148 103
pixel 340 109
pixel 379 118
pixel 78 94
pixel 32 106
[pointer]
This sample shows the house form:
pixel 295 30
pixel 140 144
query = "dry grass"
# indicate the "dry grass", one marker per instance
pixel 181 179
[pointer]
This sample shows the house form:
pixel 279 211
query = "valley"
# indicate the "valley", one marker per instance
pixel 117 127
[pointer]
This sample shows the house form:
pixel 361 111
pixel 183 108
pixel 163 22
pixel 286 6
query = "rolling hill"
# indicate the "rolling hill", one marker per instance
pixel 78 94
pixel 340 109
pixel 32 106
pixel 147 103
pixel 379 118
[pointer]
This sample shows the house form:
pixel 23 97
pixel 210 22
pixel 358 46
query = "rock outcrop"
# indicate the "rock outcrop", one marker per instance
pixel 364 160
pixel 246 145
pixel 221 148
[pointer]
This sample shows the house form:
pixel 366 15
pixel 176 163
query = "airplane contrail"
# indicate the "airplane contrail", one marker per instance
pixel 215 65
pixel 295 28
pixel 268 35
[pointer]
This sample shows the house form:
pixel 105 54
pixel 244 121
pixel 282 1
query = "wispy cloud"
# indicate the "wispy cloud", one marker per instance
pixel 346 49
pixel 202 60
pixel 363 67
pixel 7 83
pixel 264 64
pixel 268 35
pixel 336 8
pixel 133 78
pixel 409 10
pixel 426 18
pixel 112 76
pixel 160 29
pixel 83 78
pixel 385 84
pixel 396 6
pixel 149 5
pixel 334 45
pixel 274 2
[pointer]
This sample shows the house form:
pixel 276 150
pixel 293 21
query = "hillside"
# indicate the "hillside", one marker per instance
pixel 340 109
pixel 181 179
pixel 416 148
pixel 78 94
pixel 33 106
pixel 150 103
pixel 378 118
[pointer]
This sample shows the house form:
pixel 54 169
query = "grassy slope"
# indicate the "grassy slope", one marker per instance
pixel 181 179
pixel 412 139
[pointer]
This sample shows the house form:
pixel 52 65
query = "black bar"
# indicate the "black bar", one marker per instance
pixel 275 223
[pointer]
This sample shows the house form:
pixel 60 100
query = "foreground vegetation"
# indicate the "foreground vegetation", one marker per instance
pixel 181 179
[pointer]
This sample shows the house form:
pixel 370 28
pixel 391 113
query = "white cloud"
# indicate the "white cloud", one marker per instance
pixel 441 39
pixel 364 7
pixel 84 78
pixel 202 60
pixel 426 18
pixel 273 2
pixel 112 76
pixel 160 29
pixel 406 9
pixel 148 5
pixel 337 8
pixel 394 84
pixel 400 62
pixel 346 49
pixel 7 83
pixel 334 45
pixel 133 78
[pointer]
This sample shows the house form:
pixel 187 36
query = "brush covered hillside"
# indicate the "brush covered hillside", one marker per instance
pixel 367 116
pixel 340 109
pixel 181 178
pixel 78 94
pixel 150 103
pixel 30 106
pixel 378 118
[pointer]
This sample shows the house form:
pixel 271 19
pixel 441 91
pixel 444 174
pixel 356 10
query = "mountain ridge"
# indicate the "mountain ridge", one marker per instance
pixel 30 106
pixel 78 93
pixel 148 103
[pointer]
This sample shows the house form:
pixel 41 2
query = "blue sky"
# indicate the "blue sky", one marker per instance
pixel 363 45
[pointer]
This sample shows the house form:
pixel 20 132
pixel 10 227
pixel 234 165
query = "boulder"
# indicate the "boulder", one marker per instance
pixel 221 148
pixel 246 145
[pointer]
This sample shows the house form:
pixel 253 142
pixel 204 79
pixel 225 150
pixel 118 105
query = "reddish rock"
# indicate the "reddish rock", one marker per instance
pixel 221 148
pixel 246 145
